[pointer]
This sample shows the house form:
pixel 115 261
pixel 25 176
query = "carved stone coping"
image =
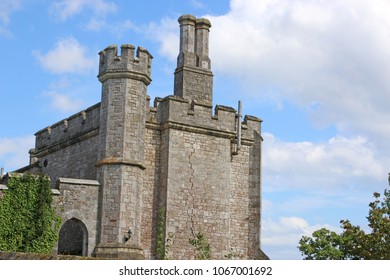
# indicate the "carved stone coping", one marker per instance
pixel 73 181
pixel 120 161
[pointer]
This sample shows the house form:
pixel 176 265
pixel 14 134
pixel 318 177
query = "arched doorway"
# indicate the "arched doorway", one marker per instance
pixel 73 238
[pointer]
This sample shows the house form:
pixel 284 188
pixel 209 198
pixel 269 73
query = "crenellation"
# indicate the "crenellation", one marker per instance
pixel 112 65
pixel 74 126
pixel 251 127
pixel 195 113
pixel 178 110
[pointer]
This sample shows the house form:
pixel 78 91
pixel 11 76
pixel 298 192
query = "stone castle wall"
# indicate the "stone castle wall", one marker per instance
pixel 77 199
pixel 69 148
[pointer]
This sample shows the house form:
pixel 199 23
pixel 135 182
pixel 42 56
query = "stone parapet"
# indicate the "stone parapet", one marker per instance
pixel 126 65
pixel 73 129
pixel 199 116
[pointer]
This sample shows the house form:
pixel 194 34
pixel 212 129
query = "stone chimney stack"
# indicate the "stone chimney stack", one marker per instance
pixel 193 76
pixel 187 41
pixel 202 43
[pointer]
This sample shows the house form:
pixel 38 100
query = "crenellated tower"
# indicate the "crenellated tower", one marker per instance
pixel 120 165
pixel 193 77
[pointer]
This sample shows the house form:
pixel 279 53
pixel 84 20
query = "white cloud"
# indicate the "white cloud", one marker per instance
pixel 165 32
pixel 64 103
pixel 339 162
pixel 329 53
pixel 282 236
pixel 197 4
pixel 68 56
pixel 6 8
pixel 64 9
pixel 116 28
pixel 14 152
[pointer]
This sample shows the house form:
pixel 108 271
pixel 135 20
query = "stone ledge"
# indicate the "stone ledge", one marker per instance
pixel 55 192
pixel 117 251
pixel 120 161
pixel 73 181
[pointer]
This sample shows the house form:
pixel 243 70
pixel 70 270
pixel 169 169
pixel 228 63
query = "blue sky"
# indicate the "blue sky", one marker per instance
pixel 316 72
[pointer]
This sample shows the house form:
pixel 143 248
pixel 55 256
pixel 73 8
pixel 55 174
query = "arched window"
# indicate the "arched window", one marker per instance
pixel 73 238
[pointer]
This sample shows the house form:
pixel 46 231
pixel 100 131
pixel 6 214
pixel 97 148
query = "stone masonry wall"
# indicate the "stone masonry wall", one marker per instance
pixel 198 192
pixel 151 191
pixel 244 202
pixel 69 148
pixel 78 199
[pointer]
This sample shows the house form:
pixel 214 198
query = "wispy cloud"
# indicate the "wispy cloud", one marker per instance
pixel 75 72
pixel 14 152
pixel 6 8
pixel 67 56
pixel 65 9
pixel 197 4
pixel 63 102
pixel 282 235
pixel 340 162
pixel 165 32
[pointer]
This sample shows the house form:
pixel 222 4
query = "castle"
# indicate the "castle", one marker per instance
pixel 127 175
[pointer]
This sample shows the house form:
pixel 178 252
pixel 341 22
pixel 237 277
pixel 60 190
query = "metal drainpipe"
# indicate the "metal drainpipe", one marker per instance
pixel 239 125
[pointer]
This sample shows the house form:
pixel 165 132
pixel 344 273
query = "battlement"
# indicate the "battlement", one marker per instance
pixel 127 64
pixel 74 128
pixel 200 116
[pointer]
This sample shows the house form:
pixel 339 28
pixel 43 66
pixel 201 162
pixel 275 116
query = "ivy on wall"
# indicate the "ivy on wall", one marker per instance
pixel 28 223
pixel 202 249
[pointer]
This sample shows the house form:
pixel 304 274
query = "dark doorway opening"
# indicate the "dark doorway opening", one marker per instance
pixel 73 238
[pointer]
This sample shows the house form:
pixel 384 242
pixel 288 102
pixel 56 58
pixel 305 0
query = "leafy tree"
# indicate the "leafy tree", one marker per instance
pixel 28 223
pixel 353 242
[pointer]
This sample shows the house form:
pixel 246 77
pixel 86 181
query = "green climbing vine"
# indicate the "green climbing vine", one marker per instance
pixel 160 246
pixel 28 223
pixel 232 255
pixel 201 245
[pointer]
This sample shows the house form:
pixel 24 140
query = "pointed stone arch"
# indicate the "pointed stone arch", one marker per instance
pixel 73 238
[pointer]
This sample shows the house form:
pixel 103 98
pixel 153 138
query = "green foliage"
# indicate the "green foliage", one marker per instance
pixel 168 244
pixel 160 244
pixel 202 249
pixel 323 245
pixel 232 255
pixel 353 242
pixel 28 223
